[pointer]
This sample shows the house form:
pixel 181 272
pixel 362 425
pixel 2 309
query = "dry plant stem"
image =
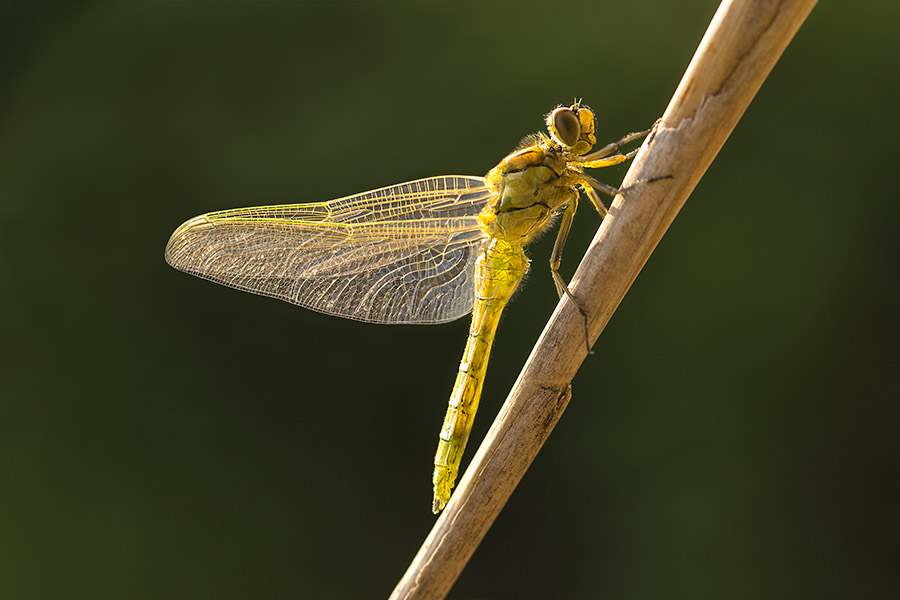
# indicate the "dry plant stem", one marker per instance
pixel 742 44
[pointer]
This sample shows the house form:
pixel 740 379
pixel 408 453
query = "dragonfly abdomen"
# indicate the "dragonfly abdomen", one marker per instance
pixel 497 274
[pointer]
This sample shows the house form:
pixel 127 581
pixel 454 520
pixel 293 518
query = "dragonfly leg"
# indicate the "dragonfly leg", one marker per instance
pixel 613 147
pixel 556 259
pixel 613 191
pixel 609 161
pixel 595 198
pixel 556 256
pixel 598 185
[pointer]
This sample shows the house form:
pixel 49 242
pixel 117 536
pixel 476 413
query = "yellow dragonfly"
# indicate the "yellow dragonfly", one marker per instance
pixel 426 251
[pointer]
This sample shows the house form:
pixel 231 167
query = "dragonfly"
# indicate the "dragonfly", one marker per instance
pixel 423 252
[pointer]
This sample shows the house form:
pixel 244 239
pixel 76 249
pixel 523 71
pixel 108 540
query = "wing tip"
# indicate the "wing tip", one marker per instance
pixel 174 247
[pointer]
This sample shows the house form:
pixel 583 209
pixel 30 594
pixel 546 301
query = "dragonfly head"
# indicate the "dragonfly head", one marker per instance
pixel 572 128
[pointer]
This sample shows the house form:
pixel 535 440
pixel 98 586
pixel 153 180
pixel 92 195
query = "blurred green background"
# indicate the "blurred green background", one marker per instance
pixel 735 435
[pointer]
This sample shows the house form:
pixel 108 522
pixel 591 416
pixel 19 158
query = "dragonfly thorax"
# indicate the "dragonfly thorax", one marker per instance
pixel 529 185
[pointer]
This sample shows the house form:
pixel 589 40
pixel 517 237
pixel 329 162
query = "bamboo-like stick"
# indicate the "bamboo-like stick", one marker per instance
pixel 742 44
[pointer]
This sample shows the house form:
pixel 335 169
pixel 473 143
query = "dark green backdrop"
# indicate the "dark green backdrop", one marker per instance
pixel 735 435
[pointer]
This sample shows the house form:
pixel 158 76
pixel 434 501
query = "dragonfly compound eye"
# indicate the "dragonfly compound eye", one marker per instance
pixel 564 126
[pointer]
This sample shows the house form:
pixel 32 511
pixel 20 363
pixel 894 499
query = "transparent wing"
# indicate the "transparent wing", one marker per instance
pixel 400 254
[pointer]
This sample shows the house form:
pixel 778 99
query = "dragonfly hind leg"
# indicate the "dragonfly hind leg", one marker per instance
pixel 556 259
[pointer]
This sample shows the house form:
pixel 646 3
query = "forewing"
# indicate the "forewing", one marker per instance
pixel 400 254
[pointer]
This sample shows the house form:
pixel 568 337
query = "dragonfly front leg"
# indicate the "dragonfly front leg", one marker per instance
pixel 609 149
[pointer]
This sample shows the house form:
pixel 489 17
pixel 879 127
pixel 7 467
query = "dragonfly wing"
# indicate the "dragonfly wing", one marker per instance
pixel 401 254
